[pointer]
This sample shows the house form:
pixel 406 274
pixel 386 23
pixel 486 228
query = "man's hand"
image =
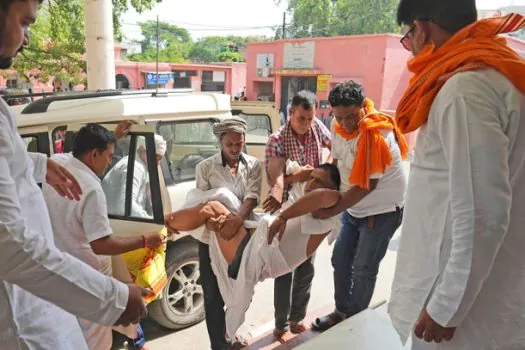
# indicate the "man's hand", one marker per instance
pixel 135 308
pixel 429 330
pixel 228 229
pixel 154 240
pixel 271 204
pixel 277 227
pixel 62 181
pixel 122 129
pixel 304 174
pixel 168 219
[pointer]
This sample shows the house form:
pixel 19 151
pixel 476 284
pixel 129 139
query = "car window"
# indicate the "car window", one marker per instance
pixel 188 143
pixel 59 138
pixel 126 182
pixel 31 143
pixel 258 128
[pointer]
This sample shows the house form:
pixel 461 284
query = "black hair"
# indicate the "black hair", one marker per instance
pixel 333 171
pixel 348 93
pixel 305 99
pixel 91 137
pixel 5 4
pixel 450 15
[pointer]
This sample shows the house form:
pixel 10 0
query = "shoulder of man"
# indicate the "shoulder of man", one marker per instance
pixel 482 85
pixel 251 160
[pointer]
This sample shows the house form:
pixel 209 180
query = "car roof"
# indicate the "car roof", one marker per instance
pixel 98 108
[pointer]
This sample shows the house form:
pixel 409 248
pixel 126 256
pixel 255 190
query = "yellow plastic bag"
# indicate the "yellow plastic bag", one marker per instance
pixel 147 268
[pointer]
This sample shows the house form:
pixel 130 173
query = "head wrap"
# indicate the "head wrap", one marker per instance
pixel 160 145
pixel 232 124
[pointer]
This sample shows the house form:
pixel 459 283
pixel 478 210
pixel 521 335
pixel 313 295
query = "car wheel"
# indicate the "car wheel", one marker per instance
pixel 182 302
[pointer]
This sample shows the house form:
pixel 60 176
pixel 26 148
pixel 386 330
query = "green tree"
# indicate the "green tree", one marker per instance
pixel 321 18
pixel 174 43
pixel 221 48
pixel 57 41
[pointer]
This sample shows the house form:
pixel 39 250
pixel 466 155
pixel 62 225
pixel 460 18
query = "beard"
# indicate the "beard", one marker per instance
pixel 6 61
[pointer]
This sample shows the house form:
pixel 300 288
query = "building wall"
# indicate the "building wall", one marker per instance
pixel 362 58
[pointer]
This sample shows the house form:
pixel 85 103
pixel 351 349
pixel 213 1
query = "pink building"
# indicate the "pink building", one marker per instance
pixel 229 78
pixel 276 70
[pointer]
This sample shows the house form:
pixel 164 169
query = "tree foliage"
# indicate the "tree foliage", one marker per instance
pixel 176 45
pixel 321 18
pixel 57 40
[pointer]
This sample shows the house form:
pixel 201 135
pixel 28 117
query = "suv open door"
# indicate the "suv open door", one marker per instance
pixel 131 182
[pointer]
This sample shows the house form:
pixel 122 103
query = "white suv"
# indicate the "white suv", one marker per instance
pixel 185 120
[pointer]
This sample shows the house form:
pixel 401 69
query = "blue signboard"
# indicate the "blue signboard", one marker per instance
pixel 163 78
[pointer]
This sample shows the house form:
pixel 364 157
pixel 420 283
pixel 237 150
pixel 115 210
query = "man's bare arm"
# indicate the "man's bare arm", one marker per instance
pixel 315 200
pixel 350 198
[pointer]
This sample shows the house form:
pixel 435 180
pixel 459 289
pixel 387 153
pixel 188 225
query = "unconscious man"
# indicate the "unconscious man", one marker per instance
pixel 255 253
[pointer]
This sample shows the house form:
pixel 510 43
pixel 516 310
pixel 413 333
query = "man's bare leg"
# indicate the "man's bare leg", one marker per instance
pixel 204 214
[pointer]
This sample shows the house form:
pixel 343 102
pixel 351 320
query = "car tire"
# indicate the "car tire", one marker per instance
pixel 181 304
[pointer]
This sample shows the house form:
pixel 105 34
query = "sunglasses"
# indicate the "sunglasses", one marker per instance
pixel 405 40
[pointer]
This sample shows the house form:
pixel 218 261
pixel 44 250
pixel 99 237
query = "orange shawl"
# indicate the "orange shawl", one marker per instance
pixel 373 154
pixel 474 47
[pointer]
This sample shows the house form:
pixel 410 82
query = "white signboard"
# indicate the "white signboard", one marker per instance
pixel 299 55
pixel 219 76
pixel 265 63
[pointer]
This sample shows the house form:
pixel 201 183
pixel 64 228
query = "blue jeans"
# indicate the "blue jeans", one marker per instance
pixel 139 342
pixel 358 251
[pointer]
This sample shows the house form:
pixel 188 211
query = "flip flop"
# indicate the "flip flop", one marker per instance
pixel 326 322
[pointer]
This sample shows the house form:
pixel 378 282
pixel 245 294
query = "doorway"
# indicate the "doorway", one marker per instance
pixel 292 85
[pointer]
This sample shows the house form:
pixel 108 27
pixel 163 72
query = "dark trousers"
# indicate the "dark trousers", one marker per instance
pixel 292 294
pixel 356 257
pixel 213 302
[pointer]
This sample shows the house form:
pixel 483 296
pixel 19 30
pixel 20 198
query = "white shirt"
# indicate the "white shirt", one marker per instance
pixel 114 185
pixel 390 190
pixel 462 245
pixel 77 224
pixel 246 184
pixel 30 260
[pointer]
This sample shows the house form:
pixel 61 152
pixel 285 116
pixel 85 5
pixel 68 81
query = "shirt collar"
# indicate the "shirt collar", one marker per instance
pixel 81 166
pixel 241 158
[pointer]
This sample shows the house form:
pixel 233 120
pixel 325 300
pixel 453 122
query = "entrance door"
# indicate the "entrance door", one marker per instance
pixel 292 85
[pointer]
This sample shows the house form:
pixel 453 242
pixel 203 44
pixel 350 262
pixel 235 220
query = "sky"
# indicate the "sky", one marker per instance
pixel 232 17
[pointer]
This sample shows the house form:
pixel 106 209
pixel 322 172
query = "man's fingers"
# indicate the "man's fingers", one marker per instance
pixel 438 337
pixel 429 335
pixel 419 329
pixel 449 334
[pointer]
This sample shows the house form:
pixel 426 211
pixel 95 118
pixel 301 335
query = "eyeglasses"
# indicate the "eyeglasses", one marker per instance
pixel 405 40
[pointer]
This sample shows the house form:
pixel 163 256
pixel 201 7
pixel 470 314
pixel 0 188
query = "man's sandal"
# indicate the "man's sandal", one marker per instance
pixel 326 322
pixel 296 327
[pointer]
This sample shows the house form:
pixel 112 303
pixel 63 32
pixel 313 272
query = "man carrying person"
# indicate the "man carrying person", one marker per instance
pixel 301 139
pixel 82 228
pixel 240 173
pixel 42 287
pixel 251 254
pixel 368 150
pixel 460 272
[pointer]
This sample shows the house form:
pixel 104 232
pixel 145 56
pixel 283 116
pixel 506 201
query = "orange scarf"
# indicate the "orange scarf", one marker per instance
pixel 474 47
pixel 373 154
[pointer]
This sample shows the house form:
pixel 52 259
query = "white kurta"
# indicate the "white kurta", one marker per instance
pixel 462 249
pixel 29 260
